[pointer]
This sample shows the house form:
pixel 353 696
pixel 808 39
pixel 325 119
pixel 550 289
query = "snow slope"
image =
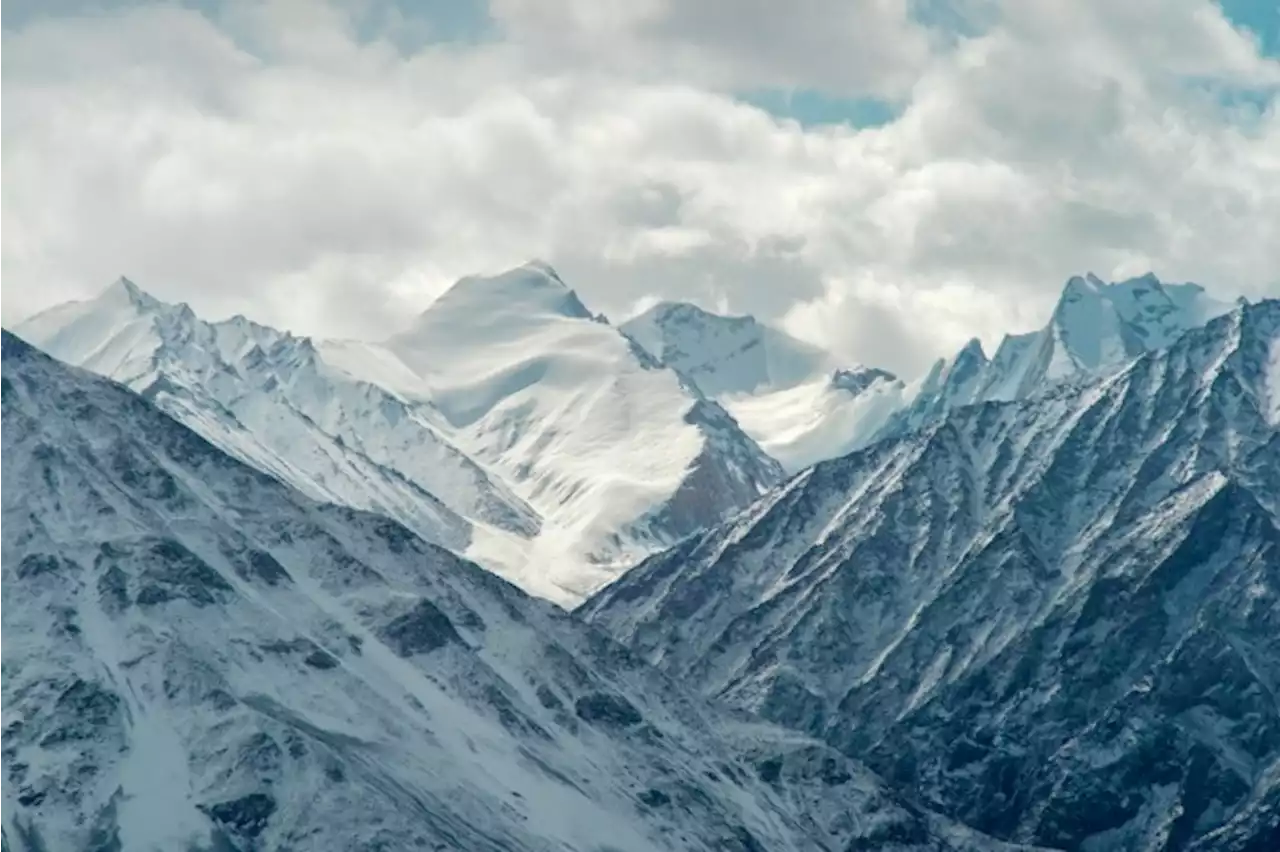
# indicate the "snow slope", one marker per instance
pixel 197 656
pixel 508 423
pixel 811 422
pixel 1057 618
pixel 617 453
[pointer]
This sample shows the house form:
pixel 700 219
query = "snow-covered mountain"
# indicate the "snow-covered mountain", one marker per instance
pixel 619 453
pixel 197 656
pixel 1057 618
pixel 798 404
pixel 791 397
pixel 507 423
pixel 723 354
pixel 1095 328
pixel 270 399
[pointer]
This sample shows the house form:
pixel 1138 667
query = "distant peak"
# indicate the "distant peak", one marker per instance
pixel 1078 285
pixel 666 313
pixel 1147 281
pixel 858 379
pixel 524 292
pixel 125 291
pixel 1091 284
pixel 543 268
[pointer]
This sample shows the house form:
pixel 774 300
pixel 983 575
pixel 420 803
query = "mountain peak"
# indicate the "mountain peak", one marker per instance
pixel 672 311
pixel 535 264
pixel 124 291
pixel 531 289
pixel 725 354
pixel 1090 286
pixel 858 379
pixel 1146 281
pixel 972 351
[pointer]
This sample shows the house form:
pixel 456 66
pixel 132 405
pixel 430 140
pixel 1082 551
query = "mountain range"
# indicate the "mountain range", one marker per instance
pixel 200 657
pixel 1056 618
pixel 262 584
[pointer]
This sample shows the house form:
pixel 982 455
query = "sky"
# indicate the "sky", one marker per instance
pixel 887 178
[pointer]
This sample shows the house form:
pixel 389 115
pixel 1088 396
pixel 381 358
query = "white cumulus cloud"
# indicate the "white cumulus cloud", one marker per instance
pixel 286 160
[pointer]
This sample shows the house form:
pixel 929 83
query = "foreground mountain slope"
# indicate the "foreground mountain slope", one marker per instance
pixel 1057 618
pixel 270 399
pixel 198 657
pixel 618 453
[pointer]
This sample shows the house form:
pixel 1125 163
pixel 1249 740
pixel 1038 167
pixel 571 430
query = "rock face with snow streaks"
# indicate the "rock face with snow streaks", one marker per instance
pixel 1057 618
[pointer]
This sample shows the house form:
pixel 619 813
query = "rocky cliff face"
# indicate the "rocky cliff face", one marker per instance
pixel 1057 618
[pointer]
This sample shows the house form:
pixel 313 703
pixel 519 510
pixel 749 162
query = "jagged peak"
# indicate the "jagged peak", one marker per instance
pixel 124 291
pixel 1082 285
pixel 972 351
pixel 1091 286
pixel 539 265
pixel 858 379
pixel 1146 281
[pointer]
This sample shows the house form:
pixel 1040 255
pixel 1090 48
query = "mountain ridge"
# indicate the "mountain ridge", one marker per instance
pixel 931 587
pixel 268 393
pixel 530 441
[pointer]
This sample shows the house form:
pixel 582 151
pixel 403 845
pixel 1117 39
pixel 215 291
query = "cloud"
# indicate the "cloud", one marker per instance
pixel 302 165
pixel 870 47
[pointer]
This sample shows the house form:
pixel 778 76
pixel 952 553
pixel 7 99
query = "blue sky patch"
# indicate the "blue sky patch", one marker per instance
pixel 1261 16
pixel 812 108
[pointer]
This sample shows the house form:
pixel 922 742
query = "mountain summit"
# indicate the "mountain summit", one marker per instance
pixel 488 302
pixel 507 423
